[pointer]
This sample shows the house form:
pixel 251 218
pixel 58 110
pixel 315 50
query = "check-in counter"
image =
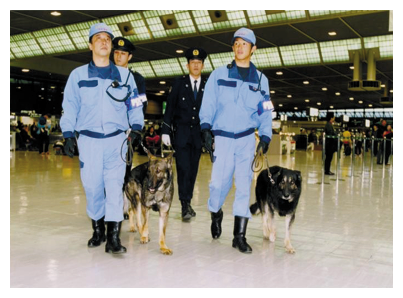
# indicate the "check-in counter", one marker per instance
pixel 282 144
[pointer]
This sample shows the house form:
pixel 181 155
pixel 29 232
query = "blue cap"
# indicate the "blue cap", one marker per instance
pixel 100 27
pixel 246 34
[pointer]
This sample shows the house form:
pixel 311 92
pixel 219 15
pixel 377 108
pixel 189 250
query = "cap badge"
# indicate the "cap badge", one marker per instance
pixel 121 43
pixel 195 52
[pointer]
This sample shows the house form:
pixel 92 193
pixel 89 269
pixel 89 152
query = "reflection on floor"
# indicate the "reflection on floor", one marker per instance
pixel 343 232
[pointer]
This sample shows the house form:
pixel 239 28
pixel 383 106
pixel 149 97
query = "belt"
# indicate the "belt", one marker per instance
pixel 97 135
pixel 232 135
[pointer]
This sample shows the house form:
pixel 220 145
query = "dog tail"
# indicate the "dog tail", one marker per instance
pixel 254 209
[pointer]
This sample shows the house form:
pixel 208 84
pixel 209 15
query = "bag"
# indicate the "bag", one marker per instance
pixel 347 150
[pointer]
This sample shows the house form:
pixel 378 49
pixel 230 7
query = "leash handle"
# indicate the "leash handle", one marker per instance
pixel 256 164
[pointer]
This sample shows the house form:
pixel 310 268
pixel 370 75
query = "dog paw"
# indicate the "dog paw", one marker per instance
pixel 290 250
pixel 132 229
pixel 272 237
pixel 144 240
pixel 166 251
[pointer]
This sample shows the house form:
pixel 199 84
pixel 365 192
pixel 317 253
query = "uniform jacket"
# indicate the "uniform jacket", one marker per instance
pixel 87 106
pixel 234 105
pixel 182 112
pixel 141 87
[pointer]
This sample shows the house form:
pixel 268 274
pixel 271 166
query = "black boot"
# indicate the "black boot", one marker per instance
pixel 216 219
pixel 186 215
pixel 191 211
pixel 99 233
pixel 239 240
pixel 113 242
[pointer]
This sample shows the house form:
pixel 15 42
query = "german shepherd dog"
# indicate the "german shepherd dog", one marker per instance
pixel 281 197
pixel 150 186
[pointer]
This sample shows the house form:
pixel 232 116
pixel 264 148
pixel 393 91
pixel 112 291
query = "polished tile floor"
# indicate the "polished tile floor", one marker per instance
pixel 343 233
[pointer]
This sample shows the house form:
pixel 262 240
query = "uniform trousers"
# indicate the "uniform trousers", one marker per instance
pixel 102 172
pixel 232 156
pixel 187 165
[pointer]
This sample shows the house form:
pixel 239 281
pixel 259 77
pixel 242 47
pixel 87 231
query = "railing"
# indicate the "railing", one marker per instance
pixel 382 144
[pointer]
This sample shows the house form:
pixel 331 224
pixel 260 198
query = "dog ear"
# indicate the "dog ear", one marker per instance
pixel 299 177
pixel 169 158
pixel 275 172
pixel 151 156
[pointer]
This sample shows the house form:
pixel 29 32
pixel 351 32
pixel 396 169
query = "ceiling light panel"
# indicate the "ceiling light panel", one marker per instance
pixel 266 57
pixel 183 19
pixel 136 21
pixel 322 13
pixel 304 54
pixel 257 17
pixel 54 40
pixel 221 59
pixel 337 51
pixel 236 18
pixel 385 44
pixel 24 45
pixel 79 33
pixel 167 67
pixel 203 20
pixel 144 68
pixel 286 16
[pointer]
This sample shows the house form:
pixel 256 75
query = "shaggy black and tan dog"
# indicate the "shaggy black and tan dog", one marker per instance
pixel 281 197
pixel 150 186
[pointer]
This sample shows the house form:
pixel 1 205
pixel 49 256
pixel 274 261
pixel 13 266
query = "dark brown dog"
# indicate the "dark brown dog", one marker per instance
pixel 281 197
pixel 150 185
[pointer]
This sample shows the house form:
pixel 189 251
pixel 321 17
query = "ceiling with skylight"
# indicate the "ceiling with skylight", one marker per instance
pixel 314 46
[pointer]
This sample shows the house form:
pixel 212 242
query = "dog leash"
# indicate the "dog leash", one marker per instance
pixel 257 164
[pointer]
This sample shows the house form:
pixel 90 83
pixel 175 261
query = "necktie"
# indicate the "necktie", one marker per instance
pixel 195 89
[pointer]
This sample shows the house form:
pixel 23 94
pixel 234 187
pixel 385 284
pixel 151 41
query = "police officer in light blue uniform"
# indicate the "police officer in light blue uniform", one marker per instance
pixel 100 102
pixel 236 101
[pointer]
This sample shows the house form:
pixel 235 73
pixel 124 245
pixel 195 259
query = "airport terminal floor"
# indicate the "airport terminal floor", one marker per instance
pixel 342 234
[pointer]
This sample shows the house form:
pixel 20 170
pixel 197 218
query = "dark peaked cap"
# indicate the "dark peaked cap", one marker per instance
pixel 123 44
pixel 196 53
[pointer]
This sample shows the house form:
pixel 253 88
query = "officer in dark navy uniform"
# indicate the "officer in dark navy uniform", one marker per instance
pixel 182 116
pixel 122 54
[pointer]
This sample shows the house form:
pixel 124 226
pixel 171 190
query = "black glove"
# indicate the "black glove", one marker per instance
pixel 207 142
pixel 135 137
pixel 262 145
pixel 69 147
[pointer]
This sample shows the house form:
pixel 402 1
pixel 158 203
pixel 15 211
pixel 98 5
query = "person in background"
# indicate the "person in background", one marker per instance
pixel 359 141
pixel 388 135
pixel 152 139
pixel 312 140
pixel 380 131
pixel 331 143
pixel 25 137
pixel 181 120
pixel 374 134
pixel 44 126
pixel 123 51
pixel 346 139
